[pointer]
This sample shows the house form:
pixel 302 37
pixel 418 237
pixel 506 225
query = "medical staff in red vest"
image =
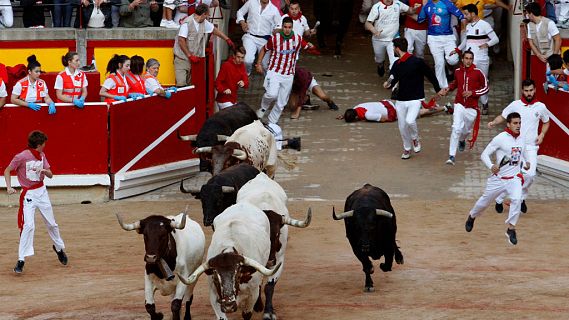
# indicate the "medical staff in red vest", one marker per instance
pixel 115 87
pixel 32 90
pixel 134 78
pixel 71 84
pixel 151 83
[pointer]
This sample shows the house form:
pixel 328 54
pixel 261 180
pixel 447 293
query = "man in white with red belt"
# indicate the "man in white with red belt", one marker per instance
pixel 262 18
pixel 532 112
pixel 383 111
pixel 506 175
pixel 284 47
pixel 32 167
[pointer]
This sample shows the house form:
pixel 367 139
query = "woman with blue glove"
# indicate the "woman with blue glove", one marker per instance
pixel 152 84
pixel 32 90
pixel 115 87
pixel 134 78
pixel 71 84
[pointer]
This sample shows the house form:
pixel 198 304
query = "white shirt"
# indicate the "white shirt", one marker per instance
pixel 551 30
pixel 208 27
pixel 261 23
pixel 152 85
pixel 386 19
pixel 504 144
pixel 3 92
pixel 31 96
pixel 298 26
pixel 76 81
pixel 531 116
pixel 374 110
pixel 110 84
pixel 97 18
pixel 478 33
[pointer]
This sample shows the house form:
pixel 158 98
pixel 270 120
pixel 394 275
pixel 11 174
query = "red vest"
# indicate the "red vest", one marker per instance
pixel 40 88
pixel 69 87
pixel 135 85
pixel 119 89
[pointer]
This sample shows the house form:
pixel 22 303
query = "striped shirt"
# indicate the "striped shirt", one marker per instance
pixel 284 52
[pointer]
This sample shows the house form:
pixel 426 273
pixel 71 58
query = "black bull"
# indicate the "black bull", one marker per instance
pixel 371 228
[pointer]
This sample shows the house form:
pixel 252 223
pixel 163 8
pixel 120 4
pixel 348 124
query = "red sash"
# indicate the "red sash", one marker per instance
pixel 475 130
pixel 391 113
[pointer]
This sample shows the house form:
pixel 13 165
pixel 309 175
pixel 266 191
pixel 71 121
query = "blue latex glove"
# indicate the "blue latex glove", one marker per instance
pixel 551 79
pixel 548 73
pixel 135 96
pixel 566 87
pixel 119 98
pixel 173 89
pixel 79 103
pixel 34 106
pixel 167 94
pixel 51 109
pixel 149 92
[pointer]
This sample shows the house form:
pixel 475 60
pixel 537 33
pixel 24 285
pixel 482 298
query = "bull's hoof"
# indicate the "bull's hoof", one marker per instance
pixel 399 258
pixel 369 289
pixel 269 316
pixel 384 267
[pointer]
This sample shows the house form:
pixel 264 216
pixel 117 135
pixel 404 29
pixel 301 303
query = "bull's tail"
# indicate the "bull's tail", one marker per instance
pixel 287 161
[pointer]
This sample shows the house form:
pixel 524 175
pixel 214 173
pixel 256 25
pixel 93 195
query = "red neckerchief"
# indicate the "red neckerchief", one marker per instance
pixel 527 103
pixel 298 16
pixel 361 112
pixel 404 58
pixel 515 135
pixel 386 6
pixel 35 153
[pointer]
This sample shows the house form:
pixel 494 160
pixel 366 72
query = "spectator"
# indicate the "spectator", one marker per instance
pixel 136 13
pixel 6 14
pixel 33 16
pixel 31 90
pixel 62 12
pixel 97 14
pixel 3 93
pixel 71 84
pixel 543 34
pixel 134 78
pixel 115 87
pixel 151 83
pixel 168 14
pixel 416 33
pixel 563 18
pixel 232 76
pixel 189 47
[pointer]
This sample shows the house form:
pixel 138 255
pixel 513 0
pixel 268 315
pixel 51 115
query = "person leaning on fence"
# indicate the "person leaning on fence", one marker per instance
pixel 136 13
pixel 134 78
pixel 62 11
pixel 543 35
pixel 6 14
pixel 115 87
pixel 151 83
pixel 31 90
pixel 71 84
pixel 94 14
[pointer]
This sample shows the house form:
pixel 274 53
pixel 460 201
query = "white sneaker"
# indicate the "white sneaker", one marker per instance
pixel 172 25
pixel 163 23
pixel 416 146
pixel 450 160
pixel 406 154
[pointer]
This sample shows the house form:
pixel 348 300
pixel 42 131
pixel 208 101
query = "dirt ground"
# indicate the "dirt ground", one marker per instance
pixel 448 273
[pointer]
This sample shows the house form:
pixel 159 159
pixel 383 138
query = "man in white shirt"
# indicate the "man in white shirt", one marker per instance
pixel 543 33
pixel 383 23
pixel 506 175
pixel 3 93
pixel 532 112
pixel 262 18
pixel 299 23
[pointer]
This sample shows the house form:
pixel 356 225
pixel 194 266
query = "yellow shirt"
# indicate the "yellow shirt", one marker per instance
pixel 478 3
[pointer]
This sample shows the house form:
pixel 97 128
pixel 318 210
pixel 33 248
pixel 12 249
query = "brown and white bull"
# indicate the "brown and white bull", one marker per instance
pixel 172 244
pixel 253 144
pixel 236 260
pixel 269 196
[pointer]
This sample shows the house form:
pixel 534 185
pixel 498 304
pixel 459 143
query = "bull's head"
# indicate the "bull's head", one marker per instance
pixel 228 270
pixel 215 199
pixel 365 222
pixel 222 156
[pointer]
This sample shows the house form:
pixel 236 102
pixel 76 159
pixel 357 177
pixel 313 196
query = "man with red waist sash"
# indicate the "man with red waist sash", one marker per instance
pixel 31 167
pixel 384 111
pixel 470 84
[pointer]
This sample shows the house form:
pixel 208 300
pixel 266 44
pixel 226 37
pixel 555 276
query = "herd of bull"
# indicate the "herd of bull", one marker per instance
pixel 248 212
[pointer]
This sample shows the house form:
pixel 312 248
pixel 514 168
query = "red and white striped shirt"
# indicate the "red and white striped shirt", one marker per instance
pixel 284 52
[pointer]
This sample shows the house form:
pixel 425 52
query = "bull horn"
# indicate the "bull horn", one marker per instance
pixel 384 213
pixel 128 226
pixel 222 137
pixel 195 275
pixel 190 190
pixel 239 154
pixel 227 189
pixel 263 270
pixel 182 223
pixel 191 137
pixel 203 150
pixel 298 223
pixel 342 215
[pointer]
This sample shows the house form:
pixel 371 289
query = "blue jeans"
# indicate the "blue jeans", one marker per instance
pixel 62 12
pixel 550 11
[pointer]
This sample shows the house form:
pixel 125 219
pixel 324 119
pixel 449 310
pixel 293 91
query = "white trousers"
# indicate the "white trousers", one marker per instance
pixel 494 187
pixel 483 65
pixel 441 47
pixel 253 45
pixel 37 199
pixel 407 112
pixel 462 123
pixel 380 47
pixel 529 175
pixel 416 39
pixel 6 14
pixel 277 91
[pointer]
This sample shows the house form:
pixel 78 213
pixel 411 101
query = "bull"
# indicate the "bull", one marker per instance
pixel 220 191
pixel 252 143
pixel 217 128
pixel 371 228
pixel 172 244
pixel 236 260
pixel 269 196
